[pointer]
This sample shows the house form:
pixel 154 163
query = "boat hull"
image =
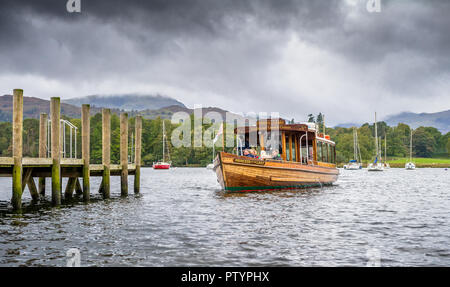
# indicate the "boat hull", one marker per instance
pixel 410 166
pixel 240 174
pixel 161 166
pixel 375 167
pixel 353 166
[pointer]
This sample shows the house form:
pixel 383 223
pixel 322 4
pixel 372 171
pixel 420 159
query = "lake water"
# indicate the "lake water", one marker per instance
pixel 182 218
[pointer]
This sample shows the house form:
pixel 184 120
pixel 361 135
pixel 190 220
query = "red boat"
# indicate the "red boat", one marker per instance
pixel 161 165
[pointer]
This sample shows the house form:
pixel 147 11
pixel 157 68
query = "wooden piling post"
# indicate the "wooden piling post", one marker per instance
pixel 78 189
pixel 106 151
pixel 43 127
pixel 70 187
pixel 56 155
pixel 124 154
pixel 17 149
pixel 137 154
pixel 85 152
pixel 27 179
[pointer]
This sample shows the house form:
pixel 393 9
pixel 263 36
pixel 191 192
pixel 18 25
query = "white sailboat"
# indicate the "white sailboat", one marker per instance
pixel 355 163
pixel 376 165
pixel 386 164
pixel 219 132
pixel 163 164
pixel 211 165
pixel 410 165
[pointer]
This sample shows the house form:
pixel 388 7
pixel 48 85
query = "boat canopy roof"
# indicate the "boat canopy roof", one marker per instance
pixel 281 125
pixel 276 124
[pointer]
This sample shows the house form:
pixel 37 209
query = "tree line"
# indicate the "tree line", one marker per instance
pixel 427 141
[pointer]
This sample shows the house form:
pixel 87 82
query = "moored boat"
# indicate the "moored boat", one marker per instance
pixel 354 164
pixel 163 164
pixel 307 159
pixel 410 165
pixel 376 165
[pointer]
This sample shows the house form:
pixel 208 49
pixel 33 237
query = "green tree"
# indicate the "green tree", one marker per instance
pixel 448 147
pixel 319 120
pixel 423 143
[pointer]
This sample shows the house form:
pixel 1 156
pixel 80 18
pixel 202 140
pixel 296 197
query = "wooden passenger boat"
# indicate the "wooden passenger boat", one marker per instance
pixel 307 160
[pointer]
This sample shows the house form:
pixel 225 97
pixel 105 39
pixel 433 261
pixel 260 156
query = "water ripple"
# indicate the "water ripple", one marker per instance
pixel 182 218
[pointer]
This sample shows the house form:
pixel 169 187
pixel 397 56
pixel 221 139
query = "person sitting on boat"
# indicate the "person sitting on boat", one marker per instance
pixel 276 155
pixel 254 153
pixel 248 153
pixel 265 154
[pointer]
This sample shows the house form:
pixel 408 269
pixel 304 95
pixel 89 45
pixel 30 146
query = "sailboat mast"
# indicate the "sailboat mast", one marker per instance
pixel 355 153
pixel 379 148
pixel 164 138
pixel 214 134
pixel 376 135
pixel 385 148
pixel 410 145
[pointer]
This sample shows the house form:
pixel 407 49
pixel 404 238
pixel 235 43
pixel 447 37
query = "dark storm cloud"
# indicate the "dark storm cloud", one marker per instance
pixel 35 34
pixel 235 53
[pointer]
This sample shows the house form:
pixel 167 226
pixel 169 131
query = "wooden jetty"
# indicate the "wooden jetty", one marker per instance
pixel 23 170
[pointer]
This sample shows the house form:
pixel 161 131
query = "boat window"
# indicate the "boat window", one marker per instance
pixel 333 153
pixel 326 151
pixel 288 151
pixel 294 148
pixel 319 151
pixel 311 151
pixel 303 151
pixel 330 156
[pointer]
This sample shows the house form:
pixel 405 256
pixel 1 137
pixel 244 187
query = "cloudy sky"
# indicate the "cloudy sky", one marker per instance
pixel 294 57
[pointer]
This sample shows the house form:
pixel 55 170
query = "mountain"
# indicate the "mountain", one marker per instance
pixel 127 102
pixel 33 107
pixel 167 112
pixel 439 120
pixel 347 125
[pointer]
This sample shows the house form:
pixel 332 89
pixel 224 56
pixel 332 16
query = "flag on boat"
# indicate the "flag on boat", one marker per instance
pixel 219 132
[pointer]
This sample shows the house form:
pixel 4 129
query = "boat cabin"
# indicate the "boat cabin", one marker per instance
pixel 299 142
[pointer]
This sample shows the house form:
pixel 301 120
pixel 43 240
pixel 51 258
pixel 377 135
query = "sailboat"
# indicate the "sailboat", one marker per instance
pixel 211 165
pixel 376 165
pixel 163 164
pixel 410 165
pixel 219 132
pixel 386 164
pixel 355 164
